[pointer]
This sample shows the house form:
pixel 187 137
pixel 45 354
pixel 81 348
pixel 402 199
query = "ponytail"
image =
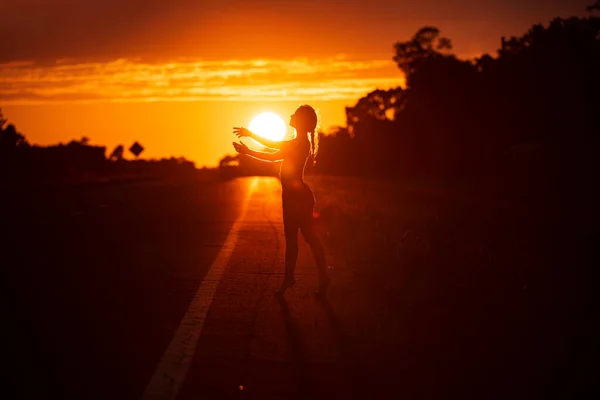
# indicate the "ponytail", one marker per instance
pixel 310 120
pixel 314 145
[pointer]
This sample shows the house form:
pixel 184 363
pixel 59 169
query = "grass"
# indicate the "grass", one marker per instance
pixel 483 288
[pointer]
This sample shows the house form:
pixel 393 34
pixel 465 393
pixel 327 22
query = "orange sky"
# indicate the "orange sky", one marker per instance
pixel 178 75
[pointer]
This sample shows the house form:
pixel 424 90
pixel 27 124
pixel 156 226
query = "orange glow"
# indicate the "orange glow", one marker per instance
pixel 268 125
pixel 125 80
pixel 184 107
pixel 163 74
pixel 197 130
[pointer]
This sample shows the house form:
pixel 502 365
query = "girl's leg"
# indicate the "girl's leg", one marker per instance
pixel 309 232
pixel 291 250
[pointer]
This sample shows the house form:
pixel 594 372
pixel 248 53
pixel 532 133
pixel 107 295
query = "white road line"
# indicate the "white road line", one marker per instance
pixel 174 365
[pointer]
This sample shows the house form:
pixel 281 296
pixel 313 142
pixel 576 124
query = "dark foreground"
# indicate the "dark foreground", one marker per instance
pixel 437 293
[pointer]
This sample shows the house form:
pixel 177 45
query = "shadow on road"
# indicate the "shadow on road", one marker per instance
pixel 349 359
pixel 297 350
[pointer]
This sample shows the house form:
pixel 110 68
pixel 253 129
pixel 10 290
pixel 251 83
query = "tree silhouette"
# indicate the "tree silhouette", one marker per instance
pixel 458 117
pixel 426 43
pixel 229 161
pixel 3 120
pixel 372 111
pixel 10 138
pixel 117 153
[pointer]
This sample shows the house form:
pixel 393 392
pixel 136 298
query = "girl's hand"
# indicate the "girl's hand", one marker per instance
pixel 240 148
pixel 242 132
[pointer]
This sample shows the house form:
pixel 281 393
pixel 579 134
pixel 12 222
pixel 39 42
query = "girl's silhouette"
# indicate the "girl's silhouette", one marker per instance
pixel 297 198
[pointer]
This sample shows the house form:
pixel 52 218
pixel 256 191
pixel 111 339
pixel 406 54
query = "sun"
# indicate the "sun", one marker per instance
pixel 268 125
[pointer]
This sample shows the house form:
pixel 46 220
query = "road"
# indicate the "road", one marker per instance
pixel 156 290
pixel 103 277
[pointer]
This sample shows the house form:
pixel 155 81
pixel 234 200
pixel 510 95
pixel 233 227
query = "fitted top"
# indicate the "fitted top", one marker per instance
pixel 295 154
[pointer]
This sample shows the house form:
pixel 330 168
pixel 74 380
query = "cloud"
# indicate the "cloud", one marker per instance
pixel 125 80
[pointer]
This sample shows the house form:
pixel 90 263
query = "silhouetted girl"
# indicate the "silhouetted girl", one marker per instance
pixel 297 198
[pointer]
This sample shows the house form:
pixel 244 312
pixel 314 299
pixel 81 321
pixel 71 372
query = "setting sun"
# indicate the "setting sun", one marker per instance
pixel 268 125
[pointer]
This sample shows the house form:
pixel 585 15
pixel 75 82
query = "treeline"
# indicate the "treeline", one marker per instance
pixel 76 161
pixel 533 105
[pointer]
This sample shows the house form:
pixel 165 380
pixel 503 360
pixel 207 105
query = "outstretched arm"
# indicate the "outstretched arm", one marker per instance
pixel 259 155
pixel 243 132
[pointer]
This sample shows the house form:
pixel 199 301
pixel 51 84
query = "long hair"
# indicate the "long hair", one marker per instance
pixel 310 120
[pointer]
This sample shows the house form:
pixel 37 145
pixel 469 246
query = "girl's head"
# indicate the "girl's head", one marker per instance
pixel 306 120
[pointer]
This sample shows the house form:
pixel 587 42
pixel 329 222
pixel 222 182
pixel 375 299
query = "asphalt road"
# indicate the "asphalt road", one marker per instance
pixel 165 290
pixel 99 277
